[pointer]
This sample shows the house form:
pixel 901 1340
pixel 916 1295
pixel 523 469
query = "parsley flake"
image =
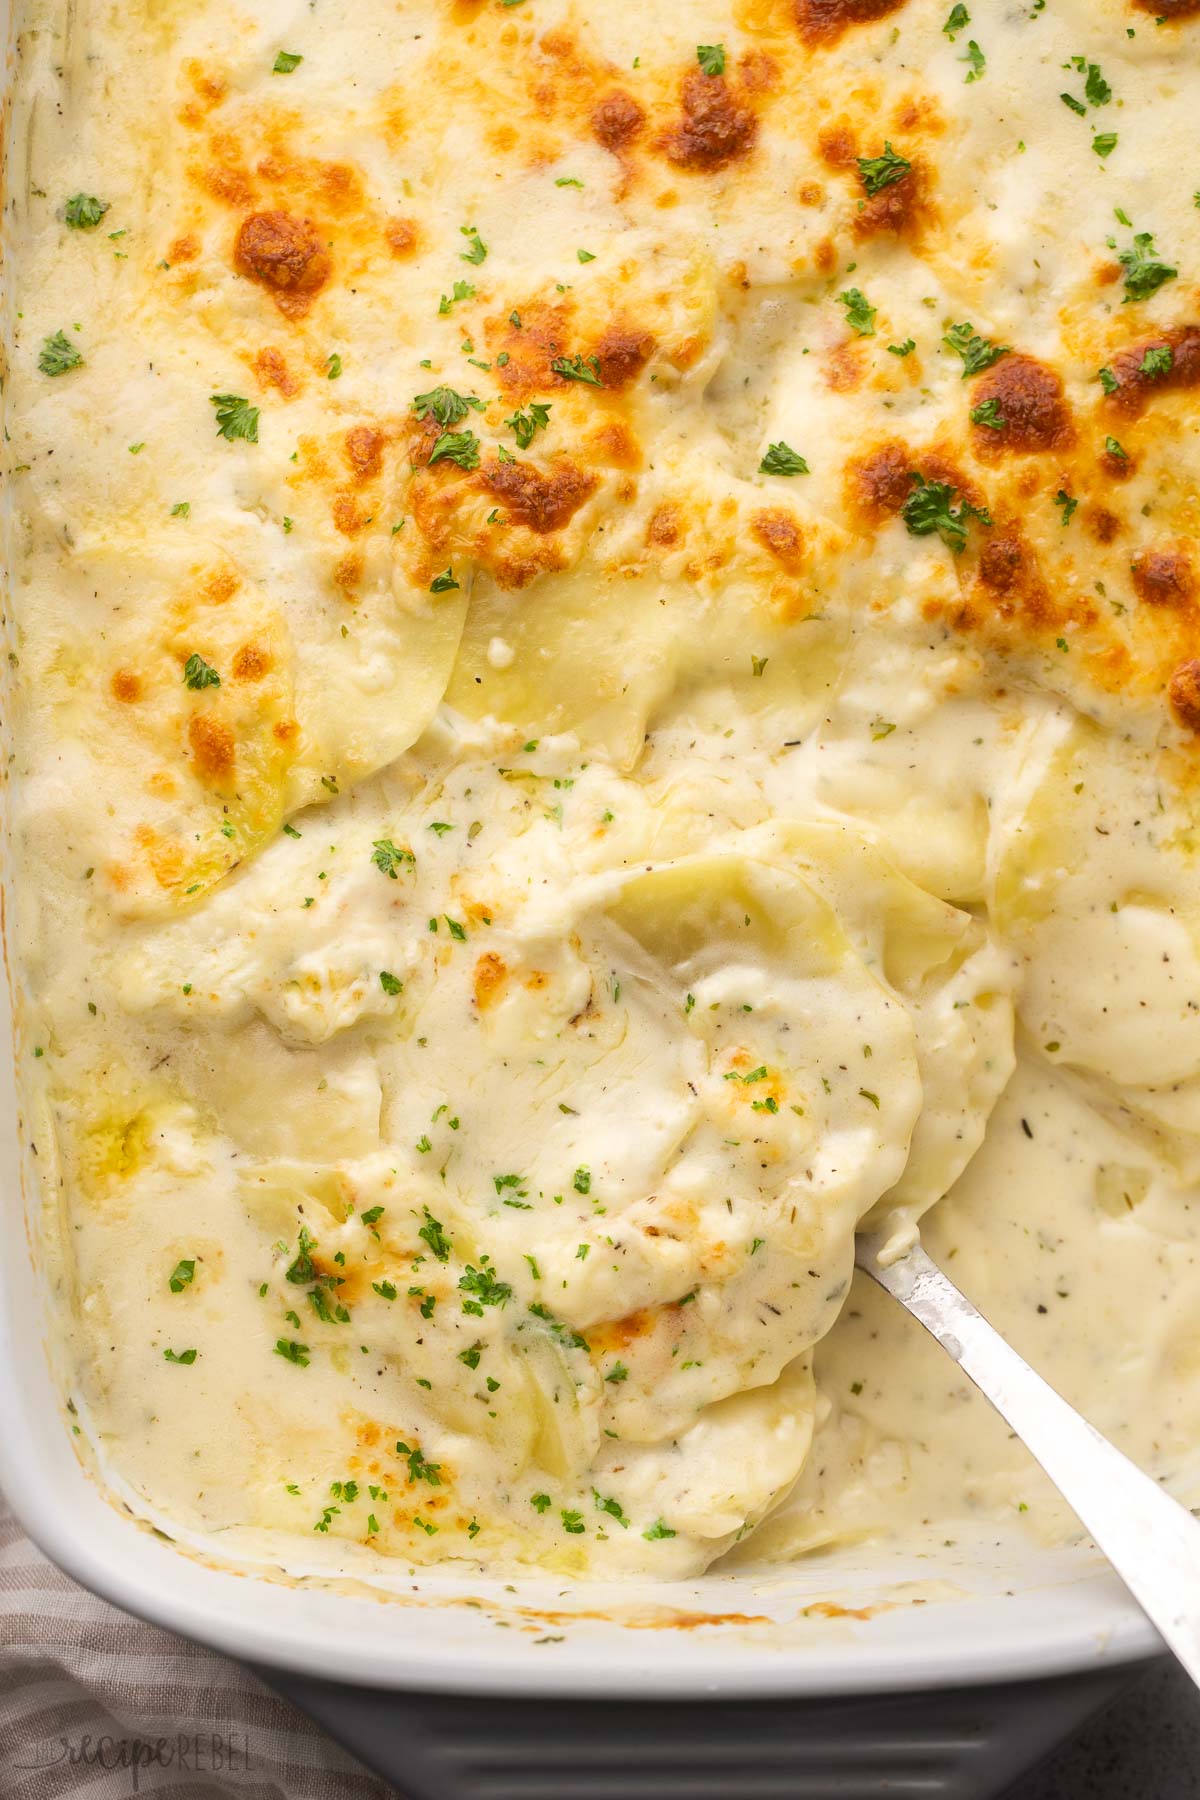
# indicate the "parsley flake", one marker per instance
pixel 236 418
pixel 58 355
pixel 781 459
pixel 83 212
pixel 878 172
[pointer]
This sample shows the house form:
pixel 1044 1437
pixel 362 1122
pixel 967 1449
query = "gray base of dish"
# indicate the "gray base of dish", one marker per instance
pixel 960 1744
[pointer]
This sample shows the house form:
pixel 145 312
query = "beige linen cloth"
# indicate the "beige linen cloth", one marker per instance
pixel 97 1705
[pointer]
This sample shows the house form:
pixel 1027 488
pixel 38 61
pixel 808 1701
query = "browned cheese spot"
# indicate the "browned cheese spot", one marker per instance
pixel 251 662
pixel 1164 578
pixel 1136 386
pixel 664 527
pixel 270 366
pixel 212 747
pixel 898 209
pixel 616 120
pixel 623 352
pixel 824 21
pixel 544 501
pixel 713 130
pixel 364 451
pixel 880 483
pixel 1183 691
pixel 284 254
pixel 778 532
pixel 490 977
pixel 402 236
pixel 1029 398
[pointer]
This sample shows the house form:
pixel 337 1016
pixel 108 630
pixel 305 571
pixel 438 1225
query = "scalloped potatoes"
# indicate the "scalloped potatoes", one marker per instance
pixel 604 692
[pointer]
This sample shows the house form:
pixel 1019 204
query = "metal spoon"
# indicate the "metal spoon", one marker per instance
pixel 1151 1541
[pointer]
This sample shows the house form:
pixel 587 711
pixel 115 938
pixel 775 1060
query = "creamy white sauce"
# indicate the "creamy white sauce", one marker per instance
pixel 457 1117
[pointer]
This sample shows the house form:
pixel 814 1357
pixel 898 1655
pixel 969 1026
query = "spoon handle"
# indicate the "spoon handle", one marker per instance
pixel 1151 1541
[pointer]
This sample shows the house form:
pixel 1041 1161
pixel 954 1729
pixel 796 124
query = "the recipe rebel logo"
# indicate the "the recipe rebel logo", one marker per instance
pixel 191 1753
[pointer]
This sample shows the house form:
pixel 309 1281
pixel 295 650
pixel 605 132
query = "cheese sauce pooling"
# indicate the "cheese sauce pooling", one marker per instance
pixel 605 678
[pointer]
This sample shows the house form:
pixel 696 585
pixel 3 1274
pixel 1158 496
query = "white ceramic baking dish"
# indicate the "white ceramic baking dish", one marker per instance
pixel 1004 1612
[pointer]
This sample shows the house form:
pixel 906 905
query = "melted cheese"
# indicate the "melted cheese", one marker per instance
pixel 604 637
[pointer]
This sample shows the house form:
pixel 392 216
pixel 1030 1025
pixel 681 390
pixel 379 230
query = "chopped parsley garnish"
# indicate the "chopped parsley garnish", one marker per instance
pixel 929 508
pixel 658 1529
pixel 182 1275
pixel 1067 503
pixel 1104 143
pixel 432 1234
pixel 180 1356
pixel 461 447
pixel 418 1468
pixel 389 858
pixel 236 418
pixel 462 290
pixel 1158 360
pixel 525 425
pixel 83 212
pixel 319 1301
pixel 606 1504
pixel 1145 272
pixel 476 251
pixel 443 583
pixel 781 459
pixel 617 1373
pixel 878 172
pixel 292 1352
pixel 286 63
pixel 1075 105
pixel 1095 88
pixel 904 349
pixel 585 256
pixel 978 353
pixel 558 1329
pixel 303 1268
pixel 1107 380
pixel 860 315
pixel 333 366
pixel 181 509
pixel 573 1522
pixel 470 1357
pixel 988 413
pixel 1114 449
pixel 958 21
pixel 541 1502
pixel 977 60
pixel 578 368
pixel 391 984
pixel 711 58
pixel 581 1181
pixel 483 1285
pixel 372 1215
pixel 58 354
pixel 445 405
pixel 198 674
pixel 455 929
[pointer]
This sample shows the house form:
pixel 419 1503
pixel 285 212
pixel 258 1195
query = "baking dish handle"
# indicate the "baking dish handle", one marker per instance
pixel 952 1744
